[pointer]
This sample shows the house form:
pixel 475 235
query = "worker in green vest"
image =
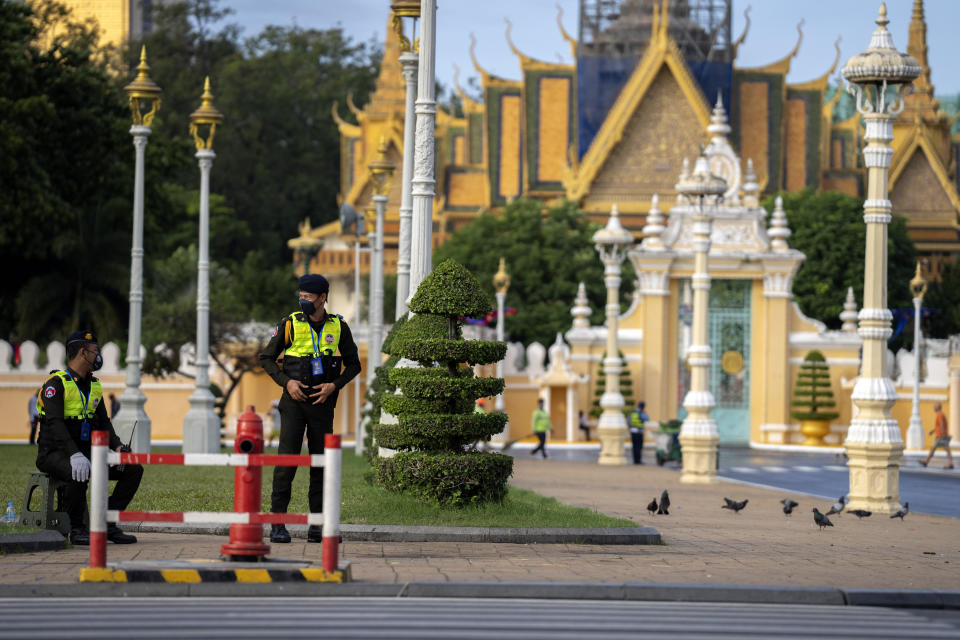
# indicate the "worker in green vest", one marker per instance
pixel 71 407
pixel 638 420
pixel 540 421
pixel 311 374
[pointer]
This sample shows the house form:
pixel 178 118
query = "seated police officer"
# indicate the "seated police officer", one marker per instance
pixel 311 375
pixel 71 407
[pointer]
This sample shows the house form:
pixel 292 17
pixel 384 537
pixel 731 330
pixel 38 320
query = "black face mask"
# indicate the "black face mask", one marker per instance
pixel 307 307
pixel 97 362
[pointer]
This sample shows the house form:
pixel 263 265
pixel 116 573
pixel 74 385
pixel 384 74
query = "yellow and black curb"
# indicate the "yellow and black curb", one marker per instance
pixel 218 575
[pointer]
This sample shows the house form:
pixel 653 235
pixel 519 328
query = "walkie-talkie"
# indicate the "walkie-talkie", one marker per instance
pixel 125 448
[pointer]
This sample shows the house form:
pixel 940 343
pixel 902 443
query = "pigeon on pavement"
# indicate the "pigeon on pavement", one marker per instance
pixel 664 503
pixel 838 506
pixel 734 506
pixel 652 507
pixel 902 512
pixel 861 514
pixel 821 520
pixel 788 505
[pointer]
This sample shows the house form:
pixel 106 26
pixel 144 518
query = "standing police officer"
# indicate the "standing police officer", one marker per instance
pixel 71 406
pixel 638 420
pixel 311 376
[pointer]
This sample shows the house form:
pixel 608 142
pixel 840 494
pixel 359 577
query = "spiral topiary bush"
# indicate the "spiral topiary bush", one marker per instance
pixel 436 423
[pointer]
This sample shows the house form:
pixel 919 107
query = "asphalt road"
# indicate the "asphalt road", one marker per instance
pixel 197 617
pixel 930 490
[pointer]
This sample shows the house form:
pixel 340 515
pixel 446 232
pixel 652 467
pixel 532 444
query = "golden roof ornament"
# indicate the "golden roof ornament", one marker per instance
pixel 918 286
pixel 205 115
pixel 143 90
pixel 381 169
pixel 501 280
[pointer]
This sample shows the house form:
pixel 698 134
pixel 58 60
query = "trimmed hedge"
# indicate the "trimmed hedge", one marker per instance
pixel 451 291
pixel 423 383
pixel 439 431
pixel 456 479
pixel 416 330
pixel 426 352
pixel 399 405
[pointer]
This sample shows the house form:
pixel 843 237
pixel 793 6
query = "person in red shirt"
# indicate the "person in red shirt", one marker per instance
pixel 941 438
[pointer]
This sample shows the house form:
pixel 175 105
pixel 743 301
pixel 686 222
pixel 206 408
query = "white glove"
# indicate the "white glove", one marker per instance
pixel 80 467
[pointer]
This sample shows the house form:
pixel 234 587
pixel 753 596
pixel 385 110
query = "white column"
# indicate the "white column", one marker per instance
pixel 571 415
pixel 376 283
pixel 423 182
pixel 132 398
pixel 501 298
pixel 612 426
pixel 699 434
pixel 371 305
pixel 408 60
pixel 358 446
pixel 915 430
pixel 201 426
pixel 874 446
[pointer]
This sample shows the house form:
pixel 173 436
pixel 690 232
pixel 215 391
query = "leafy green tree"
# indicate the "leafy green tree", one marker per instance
pixel 812 394
pixel 547 253
pixel 828 228
pixel 943 296
pixel 64 188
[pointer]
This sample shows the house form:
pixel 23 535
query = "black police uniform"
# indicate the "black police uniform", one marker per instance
pixel 296 417
pixel 59 439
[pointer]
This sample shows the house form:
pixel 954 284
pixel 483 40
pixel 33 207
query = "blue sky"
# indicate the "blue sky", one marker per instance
pixel 772 32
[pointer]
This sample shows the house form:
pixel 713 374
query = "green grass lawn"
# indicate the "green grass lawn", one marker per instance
pixel 181 488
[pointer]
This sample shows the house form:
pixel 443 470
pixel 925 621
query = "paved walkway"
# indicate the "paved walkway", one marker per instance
pixel 703 543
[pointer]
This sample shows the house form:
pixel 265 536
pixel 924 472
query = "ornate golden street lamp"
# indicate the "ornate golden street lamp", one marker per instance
pixel 201 426
pixel 144 96
pixel 873 444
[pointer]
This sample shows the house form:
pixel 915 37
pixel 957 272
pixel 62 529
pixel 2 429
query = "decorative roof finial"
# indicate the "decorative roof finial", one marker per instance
pixel 779 231
pixel 751 189
pixel 684 174
pixel 653 230
pixel 581 309
pixel 849 314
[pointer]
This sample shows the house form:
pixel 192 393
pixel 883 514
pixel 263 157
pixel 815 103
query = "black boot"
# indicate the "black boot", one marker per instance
pixel 315 533
pixel 80 537
pixel 279 534
pixel 117 536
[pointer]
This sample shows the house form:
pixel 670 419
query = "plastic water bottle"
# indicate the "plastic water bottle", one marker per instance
pixel 10 517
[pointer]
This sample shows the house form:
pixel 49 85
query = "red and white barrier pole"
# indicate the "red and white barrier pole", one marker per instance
pixel 331 502
pixel 99 477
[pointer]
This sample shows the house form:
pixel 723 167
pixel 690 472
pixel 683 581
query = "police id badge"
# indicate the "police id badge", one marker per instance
pixel 85 431
pixel 316 366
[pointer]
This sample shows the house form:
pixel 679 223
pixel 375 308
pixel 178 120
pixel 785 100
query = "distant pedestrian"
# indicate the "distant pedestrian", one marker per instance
pixel 114 406
pixel 541 425
pixel 34 416
pixel 941 437
pixel 274 414
pixel 638 421
pixel 584 426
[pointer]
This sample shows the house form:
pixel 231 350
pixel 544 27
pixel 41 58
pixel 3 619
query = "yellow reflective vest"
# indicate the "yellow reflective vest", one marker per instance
pixel 73 399
pixel 304 337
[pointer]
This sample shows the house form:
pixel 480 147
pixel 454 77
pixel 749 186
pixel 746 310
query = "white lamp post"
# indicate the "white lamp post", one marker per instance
pixel 201 426
pixel 698 434
pixel 142 92
pixel 501 282
pixel 381 170
pixel 424 182
pixel 612 243
pixel 874 446
pixel 918 287
pixel 406 11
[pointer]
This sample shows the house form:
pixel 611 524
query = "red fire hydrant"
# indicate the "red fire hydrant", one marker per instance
pixel 246 540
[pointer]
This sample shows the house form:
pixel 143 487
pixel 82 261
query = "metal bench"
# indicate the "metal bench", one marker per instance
pixel 46 517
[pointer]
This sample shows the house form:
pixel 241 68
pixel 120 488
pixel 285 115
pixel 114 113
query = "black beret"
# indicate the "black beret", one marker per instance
pixel 313 283
pixel 82 336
